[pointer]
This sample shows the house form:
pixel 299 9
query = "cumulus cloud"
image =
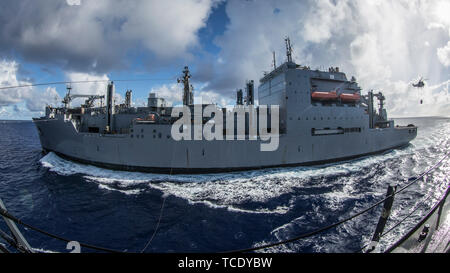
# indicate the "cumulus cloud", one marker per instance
pixel 443 54
pixel 211 97
pixel 92 84
pixel 325 19
pixel 8 77
pixel 385 44
pixel 34 100
pixel 172 93
pixel 38 100
pixel 97 35
pixel 73 2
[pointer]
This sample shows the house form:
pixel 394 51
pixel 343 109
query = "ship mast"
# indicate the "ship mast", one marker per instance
pixel 274 61
pixel 188 98
pixel 66 99
pixel 288 49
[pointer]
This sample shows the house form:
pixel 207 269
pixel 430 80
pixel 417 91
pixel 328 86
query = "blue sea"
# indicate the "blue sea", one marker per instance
pixel 128 211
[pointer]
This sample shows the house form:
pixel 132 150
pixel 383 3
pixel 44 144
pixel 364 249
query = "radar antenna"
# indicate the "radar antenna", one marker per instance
pixel 288 49
pixel 67 98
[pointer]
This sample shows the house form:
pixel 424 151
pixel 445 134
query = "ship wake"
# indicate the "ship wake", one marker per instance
pixel 263 191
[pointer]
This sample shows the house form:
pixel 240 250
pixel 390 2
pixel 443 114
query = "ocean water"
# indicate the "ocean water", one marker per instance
pixel 128 211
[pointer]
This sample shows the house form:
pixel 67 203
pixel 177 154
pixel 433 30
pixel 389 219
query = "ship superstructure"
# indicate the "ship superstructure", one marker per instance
pixel 323 117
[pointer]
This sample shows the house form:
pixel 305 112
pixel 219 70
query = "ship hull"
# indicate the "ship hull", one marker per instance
pixel 151 148
pixel 211 170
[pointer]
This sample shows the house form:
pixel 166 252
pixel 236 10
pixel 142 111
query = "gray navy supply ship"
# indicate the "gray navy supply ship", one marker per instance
pixel 322 118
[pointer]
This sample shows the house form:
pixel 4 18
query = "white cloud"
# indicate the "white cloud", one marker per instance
pixel 98 35
pixel 385 44
pixel 92 84
pixel 39 99
pixel 434 25
pixel 172 93
pixel 325 19
pixel 73 2
pixel 443 54
pixel 89 86
pixel 33 101
pixel 211 97
pixel 404 100
pixel 8 78
pixel 368 68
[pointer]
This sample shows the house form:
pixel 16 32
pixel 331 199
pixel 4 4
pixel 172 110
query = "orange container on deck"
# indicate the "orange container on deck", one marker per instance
pixel 350 97
pixel 324 95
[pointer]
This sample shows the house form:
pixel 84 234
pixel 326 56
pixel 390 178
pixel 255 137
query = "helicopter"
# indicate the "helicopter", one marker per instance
pixel 420 83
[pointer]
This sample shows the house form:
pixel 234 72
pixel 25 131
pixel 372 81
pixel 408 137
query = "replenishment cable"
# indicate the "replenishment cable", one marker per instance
pixel 320 230
pixel 157 225
pixel 418 205
pixel 424 219
pixel 20 222
pixel 87 81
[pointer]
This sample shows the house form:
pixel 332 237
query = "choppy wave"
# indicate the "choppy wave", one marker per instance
pixel 329 190
pixel 226 190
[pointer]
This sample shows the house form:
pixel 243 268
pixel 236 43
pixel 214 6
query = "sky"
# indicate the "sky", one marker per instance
pixel 387 45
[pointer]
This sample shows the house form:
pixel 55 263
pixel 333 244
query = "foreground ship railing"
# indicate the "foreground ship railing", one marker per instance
pixel 430 234
pixel 415 240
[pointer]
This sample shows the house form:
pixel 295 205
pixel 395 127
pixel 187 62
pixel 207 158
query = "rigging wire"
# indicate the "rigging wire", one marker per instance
pixel 320 230
pixel 157 225
pixel 160 215
pixel 18 221
pixel 423 221
pixel 87 81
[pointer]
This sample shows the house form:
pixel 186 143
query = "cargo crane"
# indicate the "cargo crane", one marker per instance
pixel 87 104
